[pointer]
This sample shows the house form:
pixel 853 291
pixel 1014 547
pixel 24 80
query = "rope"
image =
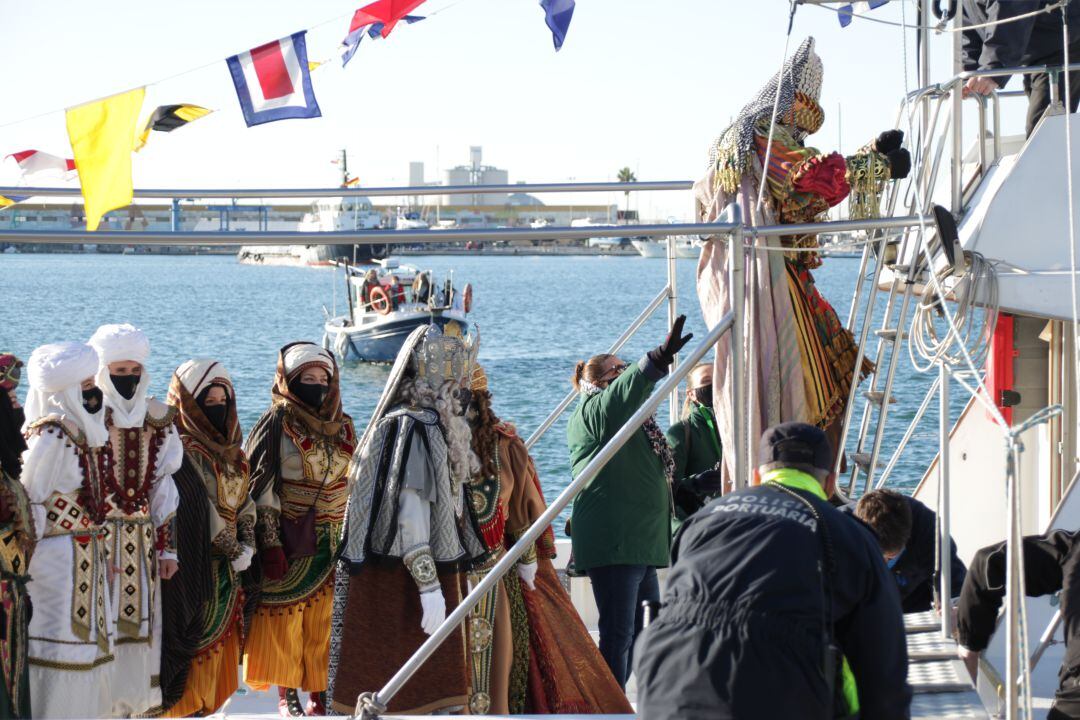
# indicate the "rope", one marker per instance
pixel 775 108
pixel 941 27
pixel 182 73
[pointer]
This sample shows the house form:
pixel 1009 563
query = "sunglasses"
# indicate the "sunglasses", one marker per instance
pixel 615 370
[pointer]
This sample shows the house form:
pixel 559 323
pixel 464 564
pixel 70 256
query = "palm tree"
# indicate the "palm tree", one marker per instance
pixel 627 175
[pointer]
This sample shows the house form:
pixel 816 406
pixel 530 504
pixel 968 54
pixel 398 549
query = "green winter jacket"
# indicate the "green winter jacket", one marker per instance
pixel 695 446
pixel 622 517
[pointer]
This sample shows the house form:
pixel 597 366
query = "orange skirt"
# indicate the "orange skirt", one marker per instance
pixel 289 645
pixel 213 678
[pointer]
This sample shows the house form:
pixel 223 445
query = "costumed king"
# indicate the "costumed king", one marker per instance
pixel 409 536
pixel 804 361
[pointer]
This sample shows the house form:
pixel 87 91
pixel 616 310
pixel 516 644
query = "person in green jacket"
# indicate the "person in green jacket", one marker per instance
pixel 695 445
pixel 621 522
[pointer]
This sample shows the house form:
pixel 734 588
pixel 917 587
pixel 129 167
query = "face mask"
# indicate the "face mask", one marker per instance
pixel 216 414
pixel 125 385
pixel 91 400
pixel 703 395
pixel 464 400
pixel 310 394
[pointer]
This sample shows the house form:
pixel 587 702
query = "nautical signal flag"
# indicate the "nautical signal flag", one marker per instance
pixel 557 15
pixel 273 81
pixel 9 200
pixel 378 18
pixel 846 12
pixel 35 164
pixel 167 118
pixel 102 134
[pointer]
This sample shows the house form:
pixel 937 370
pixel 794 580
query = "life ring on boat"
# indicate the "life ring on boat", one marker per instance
pixel 379 300
pixel 466 298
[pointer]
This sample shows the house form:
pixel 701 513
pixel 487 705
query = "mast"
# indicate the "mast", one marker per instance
pixel 344 162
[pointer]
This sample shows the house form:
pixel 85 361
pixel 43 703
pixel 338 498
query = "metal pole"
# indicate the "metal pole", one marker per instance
pixel 672 313
pixel 944 524
pixel 737 285
pixel 957 117
pixel 376 703
pixel 1012 587
pixel 618 344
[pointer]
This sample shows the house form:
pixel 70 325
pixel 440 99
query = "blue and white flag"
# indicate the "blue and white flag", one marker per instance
pixel 846 12
pixel 273 81
pixel 557 15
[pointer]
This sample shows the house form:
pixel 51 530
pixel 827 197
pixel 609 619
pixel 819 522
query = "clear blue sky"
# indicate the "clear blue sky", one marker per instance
pixel 641 83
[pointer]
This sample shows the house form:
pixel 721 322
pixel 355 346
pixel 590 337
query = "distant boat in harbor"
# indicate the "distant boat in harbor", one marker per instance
pixel 326 215
pixel 657 248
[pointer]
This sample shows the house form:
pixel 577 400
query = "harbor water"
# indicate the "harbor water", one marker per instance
pixel 537 316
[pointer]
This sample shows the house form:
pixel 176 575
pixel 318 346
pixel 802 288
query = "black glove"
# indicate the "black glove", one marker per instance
pixel 665 354
pixel 899 163
pixel 710 482
pixel 888 141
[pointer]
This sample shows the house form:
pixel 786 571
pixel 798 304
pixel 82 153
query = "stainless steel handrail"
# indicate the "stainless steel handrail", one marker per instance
pixel 634 326
pixel 371 704
pixel 368 237
pixel 396 191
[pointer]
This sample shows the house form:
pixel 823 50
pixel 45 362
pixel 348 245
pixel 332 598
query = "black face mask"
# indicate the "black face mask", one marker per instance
pixel 91 400
pixel 217 414
pixel 702 395
pixel 311 394
pixel 125 385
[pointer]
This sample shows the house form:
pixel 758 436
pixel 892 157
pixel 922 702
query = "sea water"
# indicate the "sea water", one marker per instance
pixel 537 316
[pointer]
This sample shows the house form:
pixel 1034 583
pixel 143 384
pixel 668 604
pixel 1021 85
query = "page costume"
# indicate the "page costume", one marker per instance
pixel 299 458
pixel 804 362
pixel 70 637
pixel 409 537
pixel 529 651
pixel 17 540
pixel 141 501
pixel 214 464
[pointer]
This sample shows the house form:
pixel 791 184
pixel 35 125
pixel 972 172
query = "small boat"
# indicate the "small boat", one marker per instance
pixel 381 316
pixel 684 248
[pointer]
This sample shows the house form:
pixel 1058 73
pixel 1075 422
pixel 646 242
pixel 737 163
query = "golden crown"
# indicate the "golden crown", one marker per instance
pixel 440 357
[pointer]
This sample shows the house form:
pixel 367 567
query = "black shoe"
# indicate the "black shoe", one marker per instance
pixel 289 703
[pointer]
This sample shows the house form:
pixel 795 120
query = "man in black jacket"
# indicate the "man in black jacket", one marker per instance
pixel 1029 41
pixel 907 533
pixel 777 606
pixel 1051 564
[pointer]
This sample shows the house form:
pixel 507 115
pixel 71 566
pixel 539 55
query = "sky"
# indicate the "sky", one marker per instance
pixel 638 83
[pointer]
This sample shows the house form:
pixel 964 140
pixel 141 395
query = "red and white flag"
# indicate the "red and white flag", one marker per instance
pixel 273 81
pixel 36 165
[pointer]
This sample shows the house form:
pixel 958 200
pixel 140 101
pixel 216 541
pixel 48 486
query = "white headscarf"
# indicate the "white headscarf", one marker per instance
pixel 115 343
pixel 304 353
pixel 55 373
pixel 201 373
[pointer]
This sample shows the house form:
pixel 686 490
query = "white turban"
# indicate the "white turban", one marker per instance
pixel 199 374
pixel 116 343
pixel 55 373
pixel 304 353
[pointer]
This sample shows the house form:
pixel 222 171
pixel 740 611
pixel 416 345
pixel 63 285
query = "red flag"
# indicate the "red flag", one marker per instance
pixel 387 12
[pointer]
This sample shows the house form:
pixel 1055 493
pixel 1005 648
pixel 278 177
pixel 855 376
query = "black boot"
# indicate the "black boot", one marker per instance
pixel 289 703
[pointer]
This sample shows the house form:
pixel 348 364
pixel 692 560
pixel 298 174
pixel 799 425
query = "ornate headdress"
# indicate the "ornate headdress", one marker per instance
pixel 731 152
pixel 188 382
pixel 440 357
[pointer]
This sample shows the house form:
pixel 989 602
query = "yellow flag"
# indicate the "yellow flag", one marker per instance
pixel 102 134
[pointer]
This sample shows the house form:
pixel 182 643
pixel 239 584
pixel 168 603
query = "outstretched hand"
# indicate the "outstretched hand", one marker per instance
pixel 665 354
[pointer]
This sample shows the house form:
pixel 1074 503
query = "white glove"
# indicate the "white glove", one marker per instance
pixel 243 560
pixel 434 606
pixel 527 573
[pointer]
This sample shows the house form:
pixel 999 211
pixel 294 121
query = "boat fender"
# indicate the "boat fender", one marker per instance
pixel 466 298
pixel 379 300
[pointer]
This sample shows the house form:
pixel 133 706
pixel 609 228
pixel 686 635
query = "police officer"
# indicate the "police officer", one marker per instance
pixel 777 605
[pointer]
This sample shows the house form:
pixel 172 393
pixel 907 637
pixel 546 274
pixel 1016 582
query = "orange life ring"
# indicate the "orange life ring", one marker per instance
pixel 379 300
pixel 466 298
